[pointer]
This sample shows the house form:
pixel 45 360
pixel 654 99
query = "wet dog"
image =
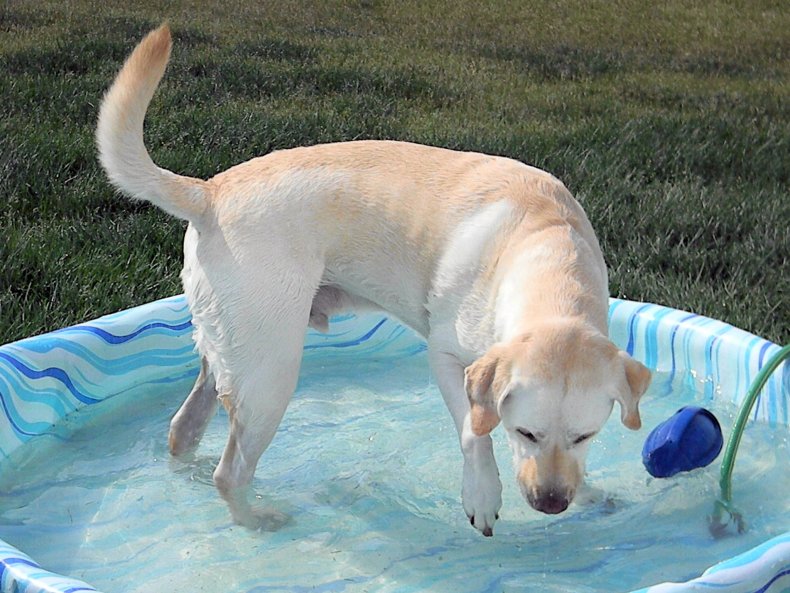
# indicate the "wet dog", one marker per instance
pixel 492 261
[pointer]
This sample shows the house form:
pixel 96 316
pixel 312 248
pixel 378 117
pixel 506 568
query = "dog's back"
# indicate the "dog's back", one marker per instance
pixel 367 211
pixel 379 215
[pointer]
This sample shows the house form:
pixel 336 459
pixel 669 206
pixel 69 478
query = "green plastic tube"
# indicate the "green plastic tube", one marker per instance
pixel 728 463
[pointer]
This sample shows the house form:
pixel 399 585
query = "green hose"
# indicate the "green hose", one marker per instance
pixel 724 504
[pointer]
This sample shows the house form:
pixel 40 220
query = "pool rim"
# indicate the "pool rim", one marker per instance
pixel 724 359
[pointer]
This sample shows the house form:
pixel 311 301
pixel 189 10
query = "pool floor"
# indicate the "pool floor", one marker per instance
pixel 367 467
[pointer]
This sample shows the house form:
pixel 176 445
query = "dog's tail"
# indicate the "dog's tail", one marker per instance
pixel 119 134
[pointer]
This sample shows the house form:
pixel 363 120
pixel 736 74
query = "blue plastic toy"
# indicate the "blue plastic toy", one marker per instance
pixel 690 439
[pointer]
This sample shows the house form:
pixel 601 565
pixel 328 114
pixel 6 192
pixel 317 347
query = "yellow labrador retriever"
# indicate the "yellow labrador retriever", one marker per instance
pixel 492 261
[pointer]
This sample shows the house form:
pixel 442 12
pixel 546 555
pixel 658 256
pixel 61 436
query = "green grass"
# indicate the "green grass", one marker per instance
pixel 668 121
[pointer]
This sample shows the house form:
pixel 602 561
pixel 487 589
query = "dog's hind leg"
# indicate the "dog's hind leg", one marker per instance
pixel 260 388
pixel 255 410
pixel 189 423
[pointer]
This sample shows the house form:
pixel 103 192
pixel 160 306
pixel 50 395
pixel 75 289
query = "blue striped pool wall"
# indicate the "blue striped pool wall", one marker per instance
pixel 45 378
pixel 724 359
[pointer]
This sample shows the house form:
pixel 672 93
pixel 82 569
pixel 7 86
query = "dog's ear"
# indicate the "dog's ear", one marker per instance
pixel 637 379
pixel 481 380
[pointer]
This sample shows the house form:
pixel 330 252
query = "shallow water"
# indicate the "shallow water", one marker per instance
pixel 367 466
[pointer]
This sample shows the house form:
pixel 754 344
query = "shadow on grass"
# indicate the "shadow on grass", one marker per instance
pixel 246 77
pixel 80 52
pixel 566 62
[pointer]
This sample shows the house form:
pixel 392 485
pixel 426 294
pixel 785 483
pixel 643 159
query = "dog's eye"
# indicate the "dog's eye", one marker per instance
pixel 527 435
pixel 579 440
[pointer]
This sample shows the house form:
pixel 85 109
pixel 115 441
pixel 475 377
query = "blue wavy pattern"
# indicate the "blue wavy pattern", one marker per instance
pixel 46 377
pixel 755 571
pixel 53 372
pixel 348 343
pixel 20 574
pixel 42 379
pixel 120 339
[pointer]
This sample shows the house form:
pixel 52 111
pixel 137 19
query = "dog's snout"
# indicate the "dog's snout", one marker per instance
pixel 551 502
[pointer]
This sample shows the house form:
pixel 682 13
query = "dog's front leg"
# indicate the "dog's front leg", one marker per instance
pixel 482 489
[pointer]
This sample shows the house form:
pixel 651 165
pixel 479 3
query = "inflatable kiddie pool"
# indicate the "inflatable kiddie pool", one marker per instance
pixel 370 480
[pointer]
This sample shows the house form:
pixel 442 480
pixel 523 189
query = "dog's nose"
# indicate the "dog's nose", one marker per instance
pixel 551 502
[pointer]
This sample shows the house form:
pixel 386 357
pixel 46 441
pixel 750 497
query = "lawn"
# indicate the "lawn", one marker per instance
pixel 669 121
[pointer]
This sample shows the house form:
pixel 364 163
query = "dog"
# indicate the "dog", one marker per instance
pixel 492 261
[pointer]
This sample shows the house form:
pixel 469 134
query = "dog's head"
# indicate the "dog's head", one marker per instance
pixel 553 389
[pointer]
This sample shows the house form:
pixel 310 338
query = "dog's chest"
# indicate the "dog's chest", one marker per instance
pixel 461 303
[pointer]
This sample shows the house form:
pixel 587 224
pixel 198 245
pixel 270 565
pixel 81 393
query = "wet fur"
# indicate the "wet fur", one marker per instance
pixel 492 261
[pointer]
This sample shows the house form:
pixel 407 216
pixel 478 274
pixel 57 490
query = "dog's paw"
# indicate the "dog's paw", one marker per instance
pixel 262 519
pixel 270 519
pixel 254 517
pixel 482 496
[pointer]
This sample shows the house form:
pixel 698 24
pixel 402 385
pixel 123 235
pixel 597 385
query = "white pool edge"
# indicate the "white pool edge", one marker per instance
pixel 46 377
